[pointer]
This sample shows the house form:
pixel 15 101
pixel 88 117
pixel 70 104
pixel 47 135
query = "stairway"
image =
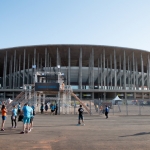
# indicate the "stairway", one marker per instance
pixel 19 99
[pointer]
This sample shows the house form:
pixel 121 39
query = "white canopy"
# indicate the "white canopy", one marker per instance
pixel 9 101
pixel 117 98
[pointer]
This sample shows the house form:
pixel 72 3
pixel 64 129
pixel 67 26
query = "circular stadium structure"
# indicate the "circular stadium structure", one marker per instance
pixel 93 71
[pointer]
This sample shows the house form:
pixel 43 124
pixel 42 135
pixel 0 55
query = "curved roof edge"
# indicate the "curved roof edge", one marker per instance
pixel 92 45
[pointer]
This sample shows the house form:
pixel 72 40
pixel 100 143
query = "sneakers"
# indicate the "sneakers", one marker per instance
pixel 29 130
pixel 15 126
pixel 2 130
pixel 80 124
pixel 22 132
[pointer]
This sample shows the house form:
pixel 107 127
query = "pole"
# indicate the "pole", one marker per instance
pixel 99 106
pixel 90 108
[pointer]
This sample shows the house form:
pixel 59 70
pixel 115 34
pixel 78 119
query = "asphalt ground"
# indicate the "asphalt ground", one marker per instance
pixel 62 133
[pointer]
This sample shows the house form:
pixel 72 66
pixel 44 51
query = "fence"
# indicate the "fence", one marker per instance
pixel 127 107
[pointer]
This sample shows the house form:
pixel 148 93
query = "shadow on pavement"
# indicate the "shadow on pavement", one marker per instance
pixel 57 125
pixel 137 134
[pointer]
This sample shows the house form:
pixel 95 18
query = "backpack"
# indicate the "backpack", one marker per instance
pixel 81 110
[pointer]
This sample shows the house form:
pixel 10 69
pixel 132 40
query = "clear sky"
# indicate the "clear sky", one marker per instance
pixel 124 23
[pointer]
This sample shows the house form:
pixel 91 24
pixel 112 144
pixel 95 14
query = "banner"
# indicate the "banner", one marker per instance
pixel 46 86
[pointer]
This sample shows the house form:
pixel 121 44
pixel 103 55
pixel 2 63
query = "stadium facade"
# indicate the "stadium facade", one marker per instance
pixel 93 71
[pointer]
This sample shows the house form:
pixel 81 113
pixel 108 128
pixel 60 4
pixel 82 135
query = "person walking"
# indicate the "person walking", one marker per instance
pixel 27 111
pixel 42 108
pixel 52 109
pixel 46 107
pixel 31 118
pixel 101 109
pixel 80 117
pixel 4 114
pixel 106 111
pixel 14 117
pixel 33 109
pixel 96 108
pixel 56 109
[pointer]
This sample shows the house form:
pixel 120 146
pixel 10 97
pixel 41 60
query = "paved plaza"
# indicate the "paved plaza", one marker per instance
pixel 62 133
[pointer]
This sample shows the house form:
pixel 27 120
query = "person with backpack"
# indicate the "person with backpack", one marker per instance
pixel 106 111
pixel 80 110
pixel 14 117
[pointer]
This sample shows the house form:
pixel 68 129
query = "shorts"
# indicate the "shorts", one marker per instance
pixel 52 110
pixel 26 120
pixel 3 117
pixel 81 117
pixel 31 119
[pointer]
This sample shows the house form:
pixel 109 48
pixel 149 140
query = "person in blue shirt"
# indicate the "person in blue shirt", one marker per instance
pixel 52 109
pixel 14 117
pixel 32 106
pixel 32 117
pixel 27 111
pixel 106 111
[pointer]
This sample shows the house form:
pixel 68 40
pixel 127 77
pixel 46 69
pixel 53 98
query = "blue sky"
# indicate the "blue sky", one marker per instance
pixel 124 23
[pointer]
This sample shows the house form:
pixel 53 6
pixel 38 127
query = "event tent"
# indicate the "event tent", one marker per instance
pixel 116 100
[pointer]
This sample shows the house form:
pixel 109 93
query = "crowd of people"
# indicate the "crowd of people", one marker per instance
pixel 24 114
pixel 52 106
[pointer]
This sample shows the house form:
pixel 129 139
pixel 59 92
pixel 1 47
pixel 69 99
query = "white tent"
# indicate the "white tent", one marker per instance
pixel 116 100
pixel 9 101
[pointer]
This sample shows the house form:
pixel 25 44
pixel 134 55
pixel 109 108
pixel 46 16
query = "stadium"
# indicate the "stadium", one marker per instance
pixel 92 71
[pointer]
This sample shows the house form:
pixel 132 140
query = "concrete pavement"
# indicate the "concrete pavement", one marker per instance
pixel 62 133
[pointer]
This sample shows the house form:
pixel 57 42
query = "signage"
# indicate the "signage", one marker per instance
pixel 129 94
pixel 86 94
pixel 34 66
pixel 46 86
pixel 121 94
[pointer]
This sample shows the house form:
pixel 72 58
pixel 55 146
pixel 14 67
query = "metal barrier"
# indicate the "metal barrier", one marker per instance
pixel 128 107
